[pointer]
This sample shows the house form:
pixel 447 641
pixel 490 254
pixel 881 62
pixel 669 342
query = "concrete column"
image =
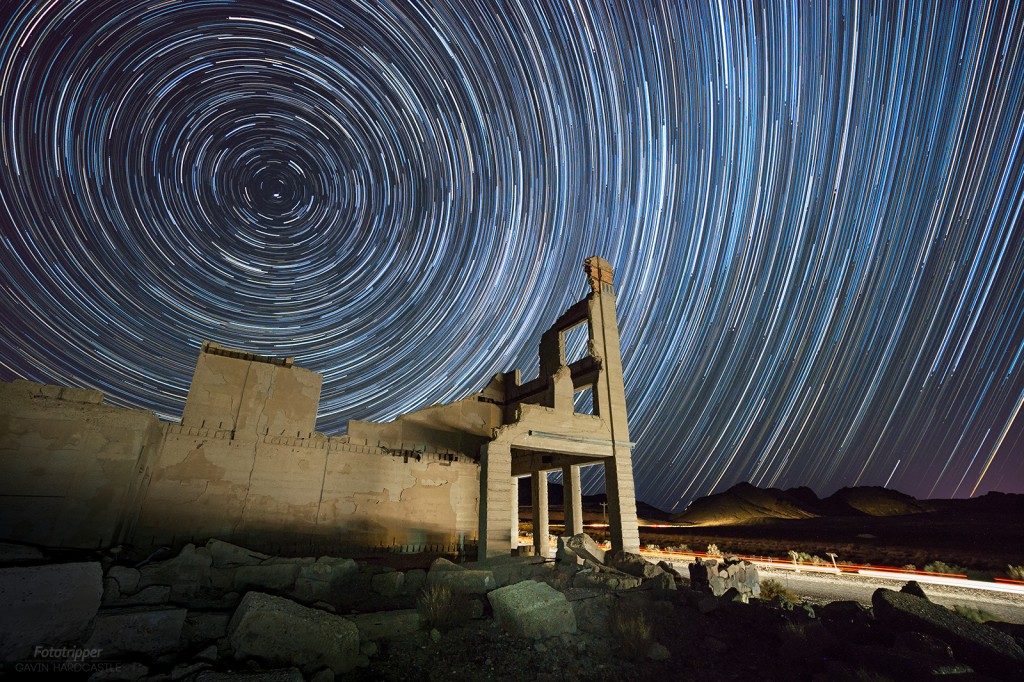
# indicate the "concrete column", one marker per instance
pixel 573 500
pixel 515 512
pixel 496 501
pixel 618 481
pixel 539 500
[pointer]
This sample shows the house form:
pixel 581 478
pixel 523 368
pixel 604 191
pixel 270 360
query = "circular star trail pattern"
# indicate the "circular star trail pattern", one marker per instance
pixel 813 209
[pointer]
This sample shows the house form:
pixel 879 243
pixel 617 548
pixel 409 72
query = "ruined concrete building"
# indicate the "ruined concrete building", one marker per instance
pixel 246 465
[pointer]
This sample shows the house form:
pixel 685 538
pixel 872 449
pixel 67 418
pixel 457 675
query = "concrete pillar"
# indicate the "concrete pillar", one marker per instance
pixel 539 500
pixel 496 501
pixel 572 499
pixel 622 523
pixel 515 512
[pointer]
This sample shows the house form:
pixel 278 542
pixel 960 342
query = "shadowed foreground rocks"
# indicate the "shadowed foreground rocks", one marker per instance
pixel 219 612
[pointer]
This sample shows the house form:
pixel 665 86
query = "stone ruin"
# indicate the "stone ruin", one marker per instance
pixel 245 463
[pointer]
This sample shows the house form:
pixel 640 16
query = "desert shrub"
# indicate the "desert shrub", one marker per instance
pixel 439 607
pixel 1015 572
pixel 943 567
pixel 772 590
pixel 678 548
pixel 714 551
pixel 652 548
pixel 909 567
pixel 973 614
pixel 629 626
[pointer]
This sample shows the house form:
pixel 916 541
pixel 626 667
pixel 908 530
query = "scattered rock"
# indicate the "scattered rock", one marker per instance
pixel 204 626
pixel 605 580
pixel 532 609
pixel 564 555
pixel 277 631
pixel 670 569
pixel 50 605
pixel 662 581
pixel 414 581
pixel 318 581
pixel 276 577
pixel 12 553
pixel 186 574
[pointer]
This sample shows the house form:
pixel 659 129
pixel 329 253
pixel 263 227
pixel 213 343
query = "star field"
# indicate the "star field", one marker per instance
pixel 814 211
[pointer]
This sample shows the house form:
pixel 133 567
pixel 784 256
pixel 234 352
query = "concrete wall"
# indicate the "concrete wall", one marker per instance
pixel 251 396
pixel 277 493
pixel 70 467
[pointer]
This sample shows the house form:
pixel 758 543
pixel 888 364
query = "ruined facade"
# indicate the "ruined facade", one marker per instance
pixel 245 463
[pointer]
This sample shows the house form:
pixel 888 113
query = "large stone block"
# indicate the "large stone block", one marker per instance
pixel 277 631
pixel 317 581
pixel 187 574
pixel 140 630
pixel 226 555
pixel 531 609
pixel 47 605
pixel 986 649
pixel 273 577
pixel 633 564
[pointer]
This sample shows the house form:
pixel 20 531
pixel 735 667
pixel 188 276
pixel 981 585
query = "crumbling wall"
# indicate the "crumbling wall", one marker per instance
pixel 276 493
pixel 70 467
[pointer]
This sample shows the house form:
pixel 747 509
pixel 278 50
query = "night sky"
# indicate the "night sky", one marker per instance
pixel 814 211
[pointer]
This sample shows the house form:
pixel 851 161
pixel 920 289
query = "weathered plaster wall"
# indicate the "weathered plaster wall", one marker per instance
pixel 274 493
pixel 70 467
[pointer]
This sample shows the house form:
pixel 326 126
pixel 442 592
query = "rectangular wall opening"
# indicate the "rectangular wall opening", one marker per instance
pixel 583 400
pixel 577 342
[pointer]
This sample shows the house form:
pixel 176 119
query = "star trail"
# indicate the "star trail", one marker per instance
pixel 814 211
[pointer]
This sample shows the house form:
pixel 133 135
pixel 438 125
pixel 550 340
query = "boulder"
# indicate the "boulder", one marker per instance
pixel 414 581
pixel 565 555
pixel 137 630
pixel 670 569
pixel 986 649
pixel 204 626
pixel 50 605
pixel 531 609
pixel 662 581
pixel 460 580
pixel 584 547
pixel 633 564
pixel 386 624
pixel 277 631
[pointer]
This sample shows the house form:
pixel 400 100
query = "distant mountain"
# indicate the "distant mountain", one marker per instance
pixel 747 504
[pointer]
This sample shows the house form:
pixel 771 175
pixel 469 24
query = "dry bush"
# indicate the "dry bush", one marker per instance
pixel 1015 572
pixel 974 615
pixel 629 626
pixel 439 607
pixel 943 567
pixel 714 551
pixel 772 590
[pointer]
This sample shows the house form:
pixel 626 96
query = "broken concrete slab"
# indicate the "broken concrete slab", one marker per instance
pixel 137 630
pixel 386 624
pixel 986 649
pixel 127 578
pixel 460 580
pixel 584 547
pixel 187 574
pixel 605 580
pixel 277 631
pixel 50 604
pixel 226 555
pixel 533 610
